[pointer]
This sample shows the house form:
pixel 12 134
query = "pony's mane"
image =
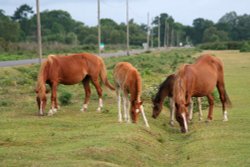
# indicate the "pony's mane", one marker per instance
pixel 40 87
pixel 179 85
pixel 157 97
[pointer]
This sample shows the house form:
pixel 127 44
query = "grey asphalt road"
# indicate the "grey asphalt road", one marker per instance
pixel 36 61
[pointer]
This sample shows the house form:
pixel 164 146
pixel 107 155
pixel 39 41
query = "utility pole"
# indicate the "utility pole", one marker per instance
pixel 39 40
pixel 168 35
pixel 172 37
pixel 127 27
pixel 159 32
pixel 152 34
pixel 165 33
pixel 148 34
pixel 99 27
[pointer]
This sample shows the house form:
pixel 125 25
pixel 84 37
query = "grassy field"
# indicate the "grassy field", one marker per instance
pixel 72 138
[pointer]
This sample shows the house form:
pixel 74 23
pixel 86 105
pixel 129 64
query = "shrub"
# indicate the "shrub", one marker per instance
pixel 245 47
pixel 65 98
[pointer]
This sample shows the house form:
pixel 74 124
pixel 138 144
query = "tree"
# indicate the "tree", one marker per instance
pixel 22 13
pixel 9 30
pixel 199 26
pixel 211 34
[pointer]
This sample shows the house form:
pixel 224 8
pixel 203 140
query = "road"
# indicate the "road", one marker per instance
pixel 36 61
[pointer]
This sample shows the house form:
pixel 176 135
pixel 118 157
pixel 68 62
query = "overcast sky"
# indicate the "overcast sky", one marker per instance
pixel 183 11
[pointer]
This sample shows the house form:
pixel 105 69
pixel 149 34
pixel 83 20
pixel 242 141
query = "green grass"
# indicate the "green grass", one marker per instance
pixel 72 138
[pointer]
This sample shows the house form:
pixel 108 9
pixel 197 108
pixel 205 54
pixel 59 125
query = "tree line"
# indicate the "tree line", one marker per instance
pixel 59 27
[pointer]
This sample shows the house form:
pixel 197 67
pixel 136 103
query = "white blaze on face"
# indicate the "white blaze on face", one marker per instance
pixel 185 121
pixel 137 110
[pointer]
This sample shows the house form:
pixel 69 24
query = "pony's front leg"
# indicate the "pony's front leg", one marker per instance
pixel 172 111
pixel 53 109
pixel 200 108
pixel 191 109
pixel 87 93
pixel 125 109
pixel 144 116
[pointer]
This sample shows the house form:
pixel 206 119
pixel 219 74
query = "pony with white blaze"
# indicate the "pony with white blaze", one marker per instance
pixel 70 70
pixel 197 80
pixel 127 79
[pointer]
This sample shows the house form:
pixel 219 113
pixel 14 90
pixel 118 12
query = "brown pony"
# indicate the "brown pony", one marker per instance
pixel 127 79
pixel 199 79
pixel 166 90
pixel 69 70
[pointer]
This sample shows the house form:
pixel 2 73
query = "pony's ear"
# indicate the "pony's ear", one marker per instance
pixel 140 103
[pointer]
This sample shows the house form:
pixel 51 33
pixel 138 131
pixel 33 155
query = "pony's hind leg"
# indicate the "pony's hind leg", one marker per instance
pixel 118 95
pixel 87 94
pixel 99 92
pixel 222 93
pixel 211 105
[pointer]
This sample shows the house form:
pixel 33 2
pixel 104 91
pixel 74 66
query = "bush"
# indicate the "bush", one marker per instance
pixel 65 98
pixel 229 45
pixel 245 47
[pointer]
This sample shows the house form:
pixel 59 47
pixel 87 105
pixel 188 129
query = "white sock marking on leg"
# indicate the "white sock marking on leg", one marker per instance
pixel 41 107
pixel 185 121
pixel 225 118
pixel 144 116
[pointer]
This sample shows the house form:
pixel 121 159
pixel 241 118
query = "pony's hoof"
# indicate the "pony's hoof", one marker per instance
pixel 40 114
pixel 83 109
pixel 171 123
pixel 50 113
pixel 200 119
pixel 54 111
pixel 225 119
pixel 99 109
pixel 128 121
pixel 208 120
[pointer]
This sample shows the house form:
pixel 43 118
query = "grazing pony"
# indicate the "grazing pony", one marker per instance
pixel 127 79
pixel 197 80
pixel 166 90
pixel 69 70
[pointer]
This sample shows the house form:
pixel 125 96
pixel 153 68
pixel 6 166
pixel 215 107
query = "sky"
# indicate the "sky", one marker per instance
pixel 183 11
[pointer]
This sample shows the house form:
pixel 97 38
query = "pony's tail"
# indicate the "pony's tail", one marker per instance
pixel 103 75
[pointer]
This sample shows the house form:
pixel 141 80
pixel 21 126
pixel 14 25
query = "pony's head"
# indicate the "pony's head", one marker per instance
pixel 179 96
pixel 181 116
pixel 135 109
pixel 41 98
pixel 157 107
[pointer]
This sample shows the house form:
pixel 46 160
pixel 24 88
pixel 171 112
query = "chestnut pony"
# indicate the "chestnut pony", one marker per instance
pixel 127 79
pixel 197 80
pixel 69 70
pixel 166 90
